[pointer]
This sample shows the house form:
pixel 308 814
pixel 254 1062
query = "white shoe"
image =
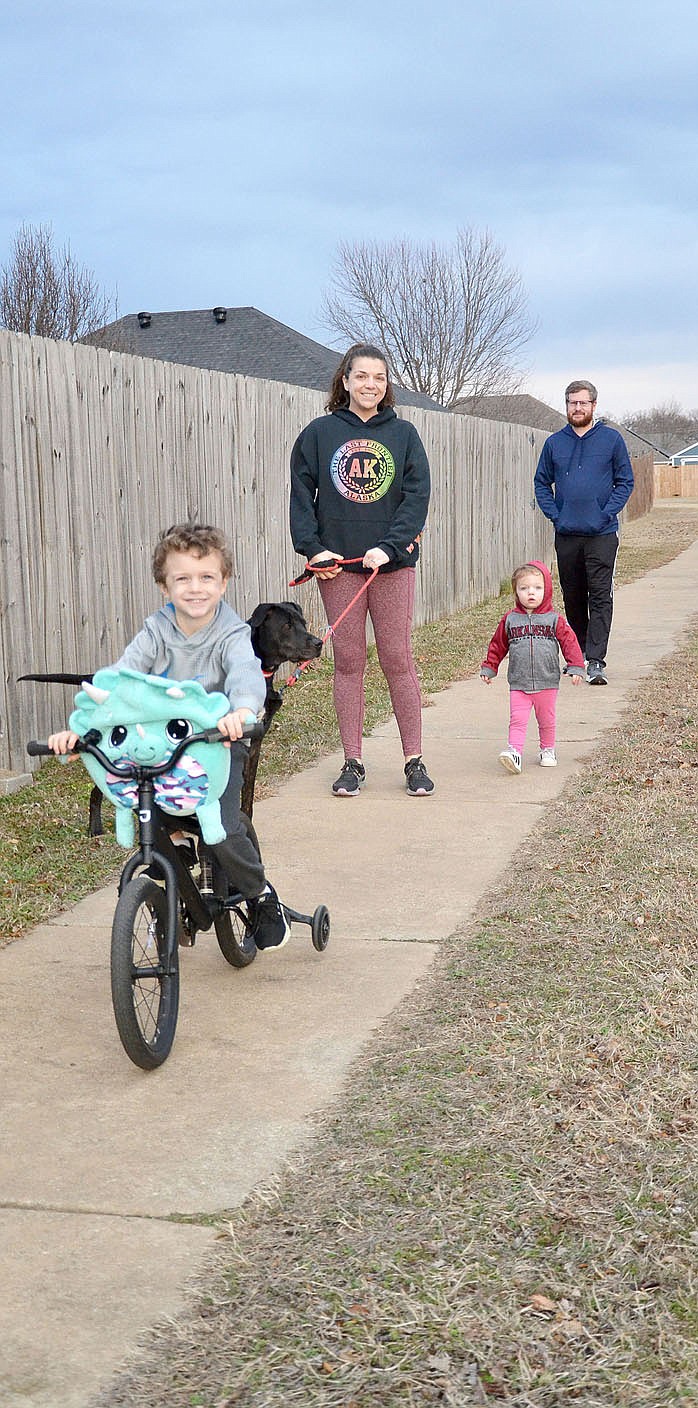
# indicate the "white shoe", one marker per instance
pixel 547 758
pixel 510 759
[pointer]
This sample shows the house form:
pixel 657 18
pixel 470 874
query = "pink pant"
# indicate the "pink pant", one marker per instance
pixel 389 601
pixel 543 702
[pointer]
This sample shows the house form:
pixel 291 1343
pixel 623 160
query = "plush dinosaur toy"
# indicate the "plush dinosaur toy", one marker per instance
pixel 141 718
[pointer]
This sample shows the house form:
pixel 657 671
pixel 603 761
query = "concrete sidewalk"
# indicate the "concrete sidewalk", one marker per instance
pixel 96 1156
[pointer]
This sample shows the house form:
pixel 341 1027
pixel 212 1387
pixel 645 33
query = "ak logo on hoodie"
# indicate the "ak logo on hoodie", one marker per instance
pixel 362 471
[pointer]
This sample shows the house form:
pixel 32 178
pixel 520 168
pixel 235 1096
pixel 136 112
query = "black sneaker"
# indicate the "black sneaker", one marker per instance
pixel 270 927
pixel 418 783
pixel 596 673
pixel 351 779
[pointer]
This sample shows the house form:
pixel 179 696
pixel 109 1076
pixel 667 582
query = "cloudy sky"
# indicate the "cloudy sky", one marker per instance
pixel 214 152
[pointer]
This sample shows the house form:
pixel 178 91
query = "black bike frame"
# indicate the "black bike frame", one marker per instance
pixel 156 850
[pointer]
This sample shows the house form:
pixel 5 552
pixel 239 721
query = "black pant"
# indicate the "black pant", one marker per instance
pixel 585 566
pixel 238 856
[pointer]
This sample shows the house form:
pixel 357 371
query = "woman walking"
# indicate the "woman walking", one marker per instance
pixel 360 490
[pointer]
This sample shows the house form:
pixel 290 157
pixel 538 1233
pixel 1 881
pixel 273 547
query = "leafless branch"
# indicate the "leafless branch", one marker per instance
pixel 453 319
pixel 667 425
pixel 44 292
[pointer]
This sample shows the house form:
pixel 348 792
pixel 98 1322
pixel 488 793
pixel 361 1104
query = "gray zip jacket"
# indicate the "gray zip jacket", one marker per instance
pixel 532 640
pixel 220 656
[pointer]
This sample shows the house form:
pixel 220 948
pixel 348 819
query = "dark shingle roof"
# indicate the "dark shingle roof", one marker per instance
pixel 517 410
pixel 244 341
pixel 637 445
pixel 528 410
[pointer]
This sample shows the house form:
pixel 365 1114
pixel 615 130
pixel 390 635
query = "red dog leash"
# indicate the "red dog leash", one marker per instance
pixel 306 576
pixel 311 568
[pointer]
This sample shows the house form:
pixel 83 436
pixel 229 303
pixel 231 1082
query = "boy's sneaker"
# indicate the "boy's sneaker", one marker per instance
pixel 417 780
pixel 547 758
pixel 596 673
pixel 270 927
pixel 351 779
pixel 510 759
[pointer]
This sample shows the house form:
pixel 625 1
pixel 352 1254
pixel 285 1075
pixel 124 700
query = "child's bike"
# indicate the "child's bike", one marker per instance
pixel 163 904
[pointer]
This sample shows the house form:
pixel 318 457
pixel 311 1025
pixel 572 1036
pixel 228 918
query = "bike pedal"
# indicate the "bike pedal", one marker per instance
pixel 185 937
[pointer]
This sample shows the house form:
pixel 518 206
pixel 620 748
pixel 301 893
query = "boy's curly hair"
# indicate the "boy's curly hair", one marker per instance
pixel 197 538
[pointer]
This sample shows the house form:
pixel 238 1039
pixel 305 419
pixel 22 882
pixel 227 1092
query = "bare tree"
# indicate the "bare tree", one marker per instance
pixel 667 425
pixel 452 318
pixel 43 291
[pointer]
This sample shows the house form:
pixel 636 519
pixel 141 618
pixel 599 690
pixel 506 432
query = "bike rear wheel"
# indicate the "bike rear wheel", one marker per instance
pixel 234 926
pixel 234 934
pixel 144 995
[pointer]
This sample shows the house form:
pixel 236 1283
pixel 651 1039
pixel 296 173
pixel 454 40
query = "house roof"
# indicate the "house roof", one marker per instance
pixel 517 410
pixel 689 453
pixel 241 340
pixel 528 410
pixel 637 444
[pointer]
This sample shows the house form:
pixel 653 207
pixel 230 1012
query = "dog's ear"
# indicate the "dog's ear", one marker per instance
pixel 295 608
pixel 259 615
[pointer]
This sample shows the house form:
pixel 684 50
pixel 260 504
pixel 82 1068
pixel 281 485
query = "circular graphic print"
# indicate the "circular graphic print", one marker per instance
pixel 362 471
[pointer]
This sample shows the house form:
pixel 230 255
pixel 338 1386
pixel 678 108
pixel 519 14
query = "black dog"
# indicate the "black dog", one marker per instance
pixel 279 632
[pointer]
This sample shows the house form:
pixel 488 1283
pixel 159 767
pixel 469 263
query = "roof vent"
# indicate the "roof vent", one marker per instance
pixel 220 314
pixel 144 320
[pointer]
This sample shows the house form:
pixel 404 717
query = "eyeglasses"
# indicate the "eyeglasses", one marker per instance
pixel 580 403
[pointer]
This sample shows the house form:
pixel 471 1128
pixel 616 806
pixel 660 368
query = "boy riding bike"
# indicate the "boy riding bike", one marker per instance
pixel 196 635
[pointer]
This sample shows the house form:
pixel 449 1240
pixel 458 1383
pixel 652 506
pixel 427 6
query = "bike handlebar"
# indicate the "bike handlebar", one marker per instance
pixel 127 769
pixel 40 750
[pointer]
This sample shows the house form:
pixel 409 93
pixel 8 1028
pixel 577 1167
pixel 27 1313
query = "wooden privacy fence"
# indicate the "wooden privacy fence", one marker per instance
pixel 642 497
pixel 676 481
pixel 100 450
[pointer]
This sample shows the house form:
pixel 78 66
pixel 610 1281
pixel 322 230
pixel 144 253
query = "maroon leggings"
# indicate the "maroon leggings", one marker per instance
pixel 389 601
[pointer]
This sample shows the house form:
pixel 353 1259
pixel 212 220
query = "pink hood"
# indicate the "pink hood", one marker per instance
pixel 547 602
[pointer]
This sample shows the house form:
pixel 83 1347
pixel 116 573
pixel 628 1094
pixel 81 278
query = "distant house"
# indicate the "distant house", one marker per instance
pixel 241 340
pixel 528 410
pixel 687 456
pixel 516 410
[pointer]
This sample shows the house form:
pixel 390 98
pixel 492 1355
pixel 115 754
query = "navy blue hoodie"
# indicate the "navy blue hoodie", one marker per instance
pixel 357 485
pixel 593 480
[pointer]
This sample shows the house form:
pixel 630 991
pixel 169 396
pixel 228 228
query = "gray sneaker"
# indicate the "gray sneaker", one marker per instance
pixel 417 780
pixel 596 673
pixel 351 779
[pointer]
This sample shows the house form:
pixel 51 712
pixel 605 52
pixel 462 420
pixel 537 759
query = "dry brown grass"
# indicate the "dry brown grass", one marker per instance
pixel 504 1206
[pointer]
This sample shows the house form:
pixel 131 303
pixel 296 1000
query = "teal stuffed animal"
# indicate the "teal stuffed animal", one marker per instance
pixel 141 718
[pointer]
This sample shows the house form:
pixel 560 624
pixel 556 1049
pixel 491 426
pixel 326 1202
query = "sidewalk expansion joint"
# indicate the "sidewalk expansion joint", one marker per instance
pixel 179 1219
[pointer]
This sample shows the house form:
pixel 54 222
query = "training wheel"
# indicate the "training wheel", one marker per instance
pixel 321 928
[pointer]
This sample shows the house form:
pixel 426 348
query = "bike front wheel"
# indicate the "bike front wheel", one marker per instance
pixel 145 995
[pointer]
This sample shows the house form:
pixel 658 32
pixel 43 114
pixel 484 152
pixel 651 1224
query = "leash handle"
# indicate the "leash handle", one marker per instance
pixel 311 568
